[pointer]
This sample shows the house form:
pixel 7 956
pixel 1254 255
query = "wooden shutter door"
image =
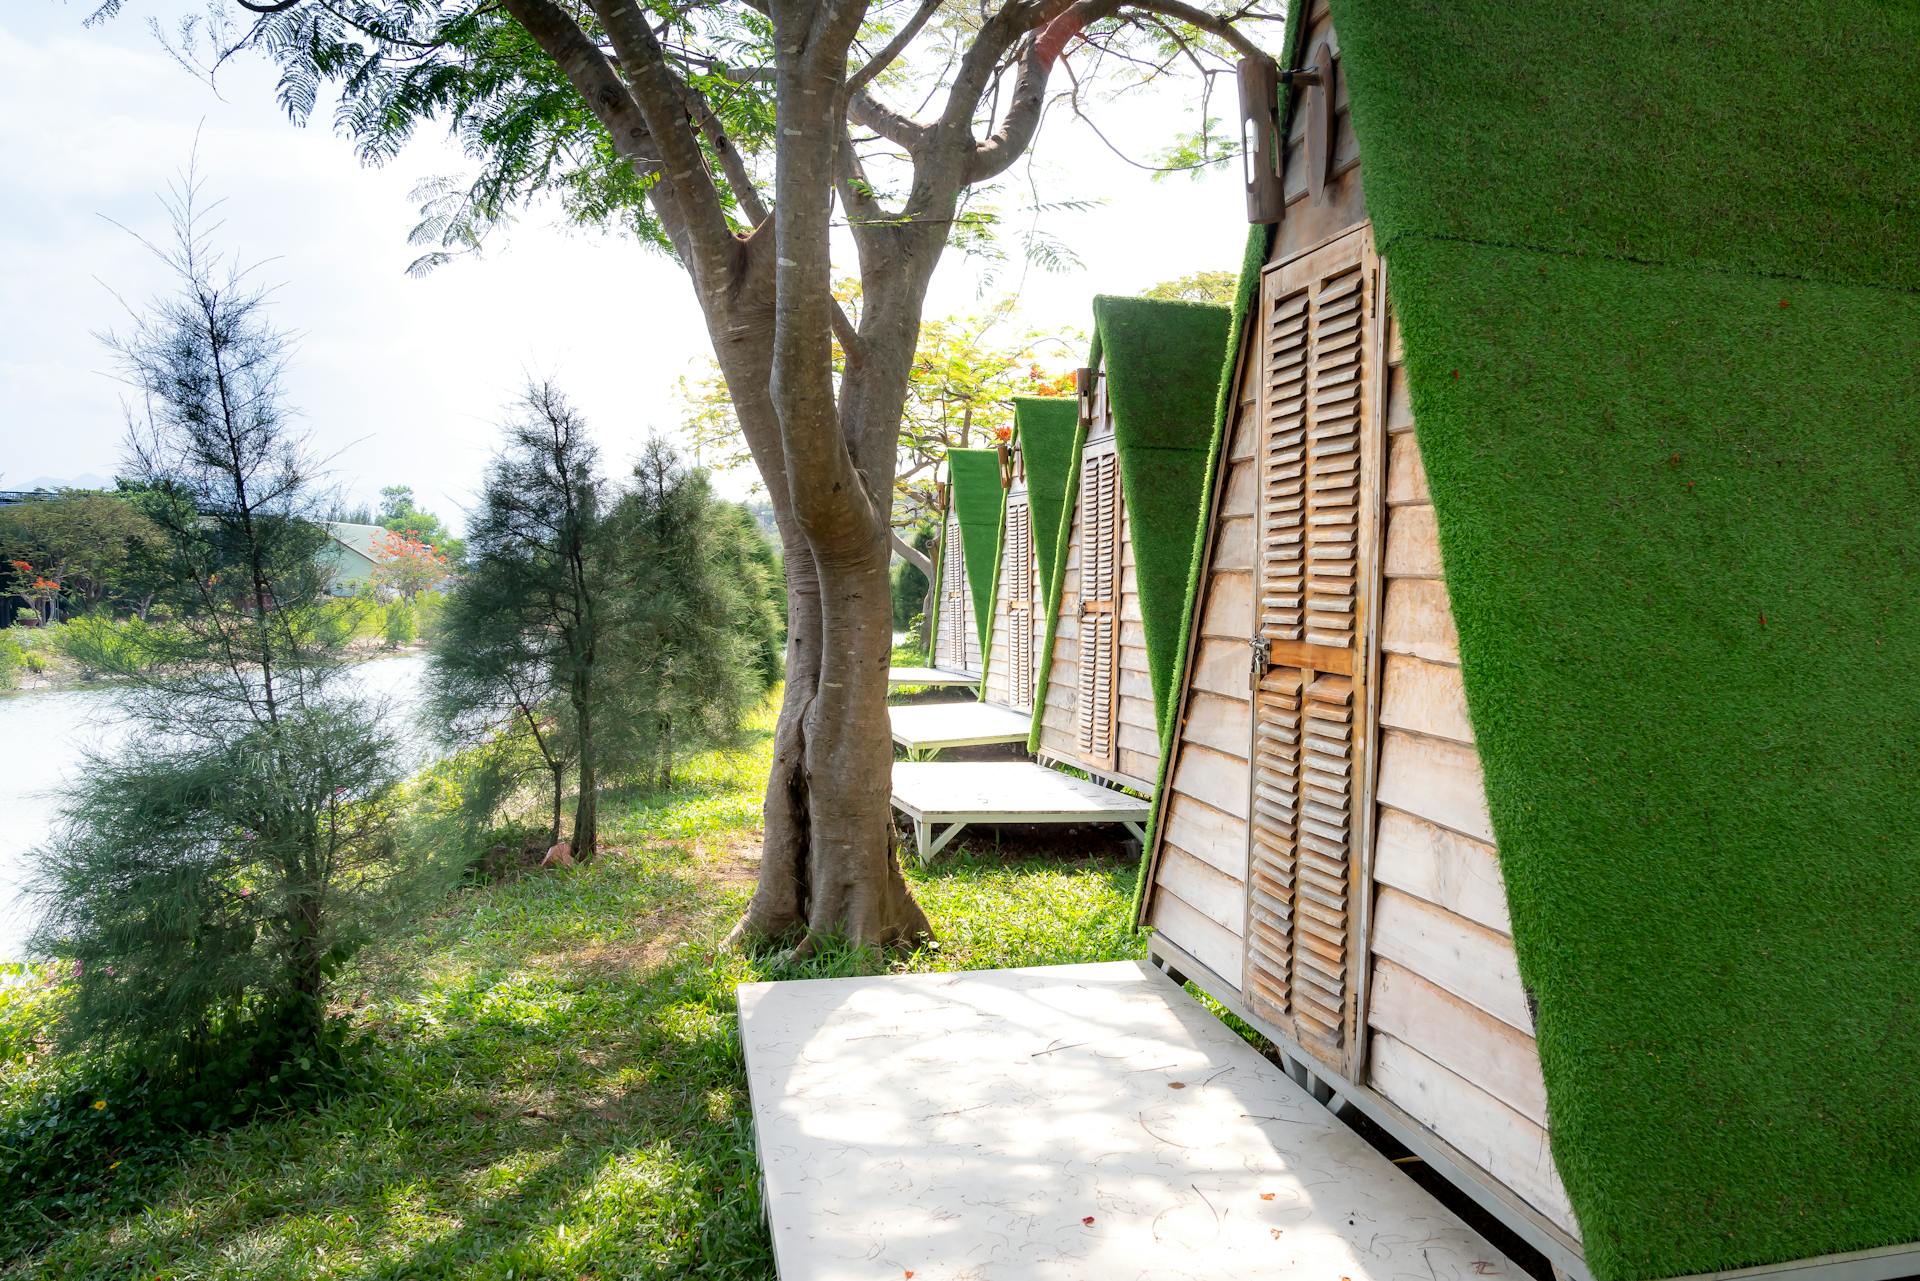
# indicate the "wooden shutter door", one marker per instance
pixel 952 650
pixel 1317 439
pixel 1099 604
pixel 1019 578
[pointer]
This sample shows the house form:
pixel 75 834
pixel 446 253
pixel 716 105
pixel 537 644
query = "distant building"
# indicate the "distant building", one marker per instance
pixel 352 552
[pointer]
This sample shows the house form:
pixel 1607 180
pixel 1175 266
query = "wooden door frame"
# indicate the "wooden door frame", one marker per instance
pixel 1365 662
pixel 1094 451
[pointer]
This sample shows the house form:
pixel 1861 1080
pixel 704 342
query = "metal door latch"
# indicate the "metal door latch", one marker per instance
pixel 1258 644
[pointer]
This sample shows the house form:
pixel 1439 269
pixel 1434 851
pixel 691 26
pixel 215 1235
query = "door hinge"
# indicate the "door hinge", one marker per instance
pixel 1257 644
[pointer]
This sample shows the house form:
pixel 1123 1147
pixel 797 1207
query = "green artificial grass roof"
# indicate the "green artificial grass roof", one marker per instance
pixel 1046 427
pixel 1252 259
pixel 1163 375
pixel 1655 265
pixel 1163 369
pixel 978 501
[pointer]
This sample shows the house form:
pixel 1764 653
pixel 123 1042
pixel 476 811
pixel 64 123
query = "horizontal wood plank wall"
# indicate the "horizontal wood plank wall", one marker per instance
pixel 1451 1037
pixel 1137 758
pixel 1200 874
pixel 1204 820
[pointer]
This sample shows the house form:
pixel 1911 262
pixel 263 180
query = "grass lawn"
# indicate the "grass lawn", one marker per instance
pixel 555 1087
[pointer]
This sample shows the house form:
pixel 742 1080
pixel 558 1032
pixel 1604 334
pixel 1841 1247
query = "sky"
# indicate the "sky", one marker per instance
pixel 404 380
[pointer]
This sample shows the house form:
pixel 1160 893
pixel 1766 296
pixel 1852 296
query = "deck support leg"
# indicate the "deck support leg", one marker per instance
pixel 926 844
pixel 940 842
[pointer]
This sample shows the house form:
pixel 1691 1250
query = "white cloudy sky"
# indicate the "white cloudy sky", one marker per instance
pixel 401 380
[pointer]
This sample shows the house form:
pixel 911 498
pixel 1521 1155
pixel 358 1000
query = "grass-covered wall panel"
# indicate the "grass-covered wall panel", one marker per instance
pixel 1676 509
pixel 1163 370
pixel 1253 258
pixel 1046 427
pixel 1767 135
pixel 1656 265
pixel 978 504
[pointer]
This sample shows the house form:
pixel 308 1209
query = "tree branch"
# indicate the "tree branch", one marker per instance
pixel 657 91
pixel 732 163
pixel 1211 23
pixel 893 48
pixel 592 77
pixel 870 113
pixel 910 554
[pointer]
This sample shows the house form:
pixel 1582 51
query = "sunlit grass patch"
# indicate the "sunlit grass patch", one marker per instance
pixel 552 1080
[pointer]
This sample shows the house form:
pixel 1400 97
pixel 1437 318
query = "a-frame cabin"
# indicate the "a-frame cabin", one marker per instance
pixel 969 544
pixel 1550 825
pixel 1127 535
pixel 1039 461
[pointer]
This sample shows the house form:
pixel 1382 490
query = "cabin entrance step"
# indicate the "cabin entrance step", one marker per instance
pixel 941 798
pixel 1065 1123
pixel 926 728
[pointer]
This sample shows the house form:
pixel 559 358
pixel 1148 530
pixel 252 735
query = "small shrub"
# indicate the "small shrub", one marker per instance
pixel 401 626
pixel 12 659
pixel 97 645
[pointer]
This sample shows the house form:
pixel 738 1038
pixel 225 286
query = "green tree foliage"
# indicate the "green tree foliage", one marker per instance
pixel 1201 286
pixel 205 882
pixel 690 612
pixel 94 545
pixel 518 638
pixel 400 514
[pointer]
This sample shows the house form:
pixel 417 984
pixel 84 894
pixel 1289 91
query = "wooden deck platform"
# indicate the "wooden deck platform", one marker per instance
pixel 950 795
pixel 925 728
pixel 928 677
pixel 1066 1123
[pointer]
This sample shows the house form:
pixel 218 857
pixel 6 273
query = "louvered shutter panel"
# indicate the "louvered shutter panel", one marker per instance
pixel 1019 579
pixel 1099 605
pixel 1308 707
pixel 951 651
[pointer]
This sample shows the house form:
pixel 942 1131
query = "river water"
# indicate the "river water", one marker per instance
pixel 46 734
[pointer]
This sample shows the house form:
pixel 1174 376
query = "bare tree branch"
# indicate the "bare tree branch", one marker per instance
pixel 893 48
pixel 911 554
pixel 870 113
pixel 732 163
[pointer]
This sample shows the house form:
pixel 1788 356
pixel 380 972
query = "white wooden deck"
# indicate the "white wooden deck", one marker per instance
pixel 952 794
pixel 924 728
pixel 929 677
pixel 1067 1123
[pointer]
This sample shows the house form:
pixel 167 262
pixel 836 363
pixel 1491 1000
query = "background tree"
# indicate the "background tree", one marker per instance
pixel 689 614
pixel 407 566
pixel 662 119
pixel 1201 286
pixel 207 880
pixel 92 544
pixel 520 638
pixel 493 688
pixel 399 513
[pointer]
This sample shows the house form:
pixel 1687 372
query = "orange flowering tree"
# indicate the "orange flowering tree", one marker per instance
pixel 405 565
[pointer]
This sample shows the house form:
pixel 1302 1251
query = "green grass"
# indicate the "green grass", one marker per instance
pixel 553 1083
